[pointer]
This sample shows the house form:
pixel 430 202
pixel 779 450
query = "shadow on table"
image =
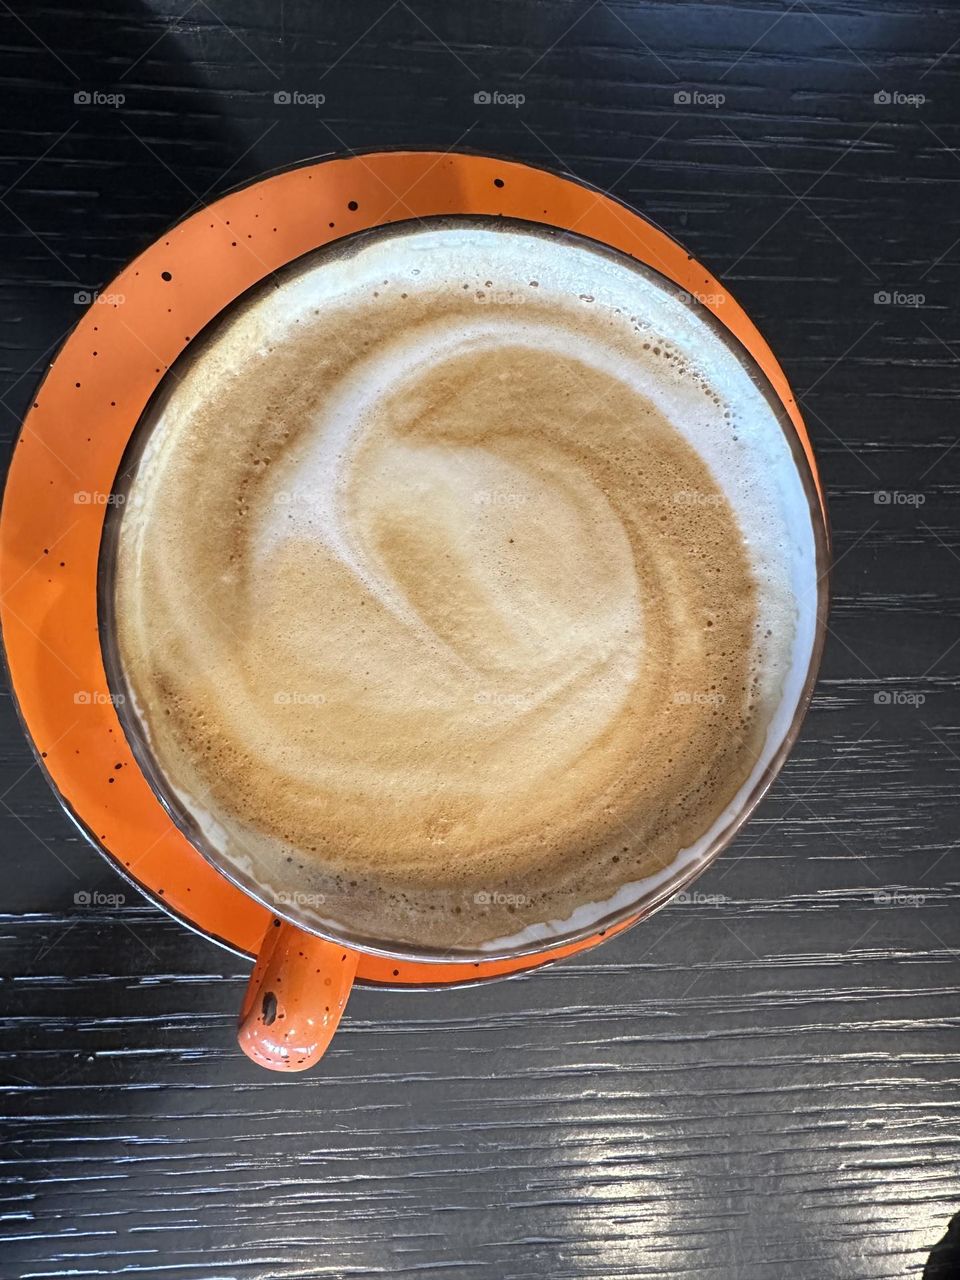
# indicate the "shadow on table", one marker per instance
pixel 944 1260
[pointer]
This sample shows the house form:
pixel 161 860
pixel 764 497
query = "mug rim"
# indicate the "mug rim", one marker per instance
pixel 646 903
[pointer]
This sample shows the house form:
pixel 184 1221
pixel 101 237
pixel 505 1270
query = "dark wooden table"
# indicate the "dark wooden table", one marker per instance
pixel 759 1084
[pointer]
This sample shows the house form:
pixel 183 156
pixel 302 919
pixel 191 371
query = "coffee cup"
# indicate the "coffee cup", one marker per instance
pixel 591 737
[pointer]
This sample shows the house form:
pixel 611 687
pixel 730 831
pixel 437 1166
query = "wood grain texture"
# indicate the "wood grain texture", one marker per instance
pixel 760 1082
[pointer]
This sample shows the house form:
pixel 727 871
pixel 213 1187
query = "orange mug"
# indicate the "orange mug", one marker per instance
pixel 57 630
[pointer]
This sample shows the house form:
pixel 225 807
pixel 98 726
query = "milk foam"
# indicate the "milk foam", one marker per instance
pixel 466 586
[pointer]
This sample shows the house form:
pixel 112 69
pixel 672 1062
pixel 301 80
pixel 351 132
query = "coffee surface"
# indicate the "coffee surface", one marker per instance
pixel 457 584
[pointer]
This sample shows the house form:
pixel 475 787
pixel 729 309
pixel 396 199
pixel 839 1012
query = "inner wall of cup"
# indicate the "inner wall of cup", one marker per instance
pixel 798 498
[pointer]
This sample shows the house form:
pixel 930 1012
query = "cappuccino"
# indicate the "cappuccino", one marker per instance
pixel 465 584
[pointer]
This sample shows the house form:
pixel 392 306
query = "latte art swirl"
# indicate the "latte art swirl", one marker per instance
pixel 452 588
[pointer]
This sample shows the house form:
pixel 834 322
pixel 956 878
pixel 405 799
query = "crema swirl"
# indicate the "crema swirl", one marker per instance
pixel 460 584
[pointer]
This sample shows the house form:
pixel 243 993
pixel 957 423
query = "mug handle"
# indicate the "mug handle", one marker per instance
pixel 295 997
